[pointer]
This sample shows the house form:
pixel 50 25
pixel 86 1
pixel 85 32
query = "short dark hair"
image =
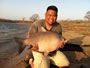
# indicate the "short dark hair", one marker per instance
pixel 52 7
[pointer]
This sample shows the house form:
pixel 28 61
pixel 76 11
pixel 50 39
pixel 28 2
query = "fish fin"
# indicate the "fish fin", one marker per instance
pixel 43 29
pixel 20 42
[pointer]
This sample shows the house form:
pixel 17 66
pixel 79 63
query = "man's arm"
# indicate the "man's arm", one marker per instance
pixel 33 29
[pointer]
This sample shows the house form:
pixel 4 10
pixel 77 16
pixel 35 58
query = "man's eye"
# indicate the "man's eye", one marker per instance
pixel 52 15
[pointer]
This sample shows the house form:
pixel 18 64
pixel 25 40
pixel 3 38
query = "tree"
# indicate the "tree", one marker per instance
pixel 23 19
pixel 87 16
pixel 34 17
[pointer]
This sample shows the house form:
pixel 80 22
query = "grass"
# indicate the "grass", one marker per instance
pixel 82 27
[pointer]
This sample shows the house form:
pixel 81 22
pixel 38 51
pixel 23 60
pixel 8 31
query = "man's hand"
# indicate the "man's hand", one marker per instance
pixel 35 47
pixel 27 36
pixel 31 63
pixel 62 43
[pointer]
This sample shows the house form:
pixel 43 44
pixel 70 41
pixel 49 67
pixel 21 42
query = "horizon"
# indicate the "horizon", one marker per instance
pixel 19 9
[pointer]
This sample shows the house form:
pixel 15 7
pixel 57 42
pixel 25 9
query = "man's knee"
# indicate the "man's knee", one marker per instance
pixel 60 60
pixel 63 64
pixel 66 64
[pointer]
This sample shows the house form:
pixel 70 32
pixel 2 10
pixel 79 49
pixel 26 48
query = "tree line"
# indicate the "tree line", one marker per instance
pixel 36 17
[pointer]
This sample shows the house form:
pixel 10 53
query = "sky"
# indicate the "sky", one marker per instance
pixel 67 9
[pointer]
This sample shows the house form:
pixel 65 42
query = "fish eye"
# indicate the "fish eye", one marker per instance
pixel 30 46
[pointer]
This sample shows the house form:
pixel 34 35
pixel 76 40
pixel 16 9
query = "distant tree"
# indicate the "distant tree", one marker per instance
pixel 23 19
pixel 87 16
pixel 34 17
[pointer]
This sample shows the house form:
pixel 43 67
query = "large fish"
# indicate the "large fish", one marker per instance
pixel 47 41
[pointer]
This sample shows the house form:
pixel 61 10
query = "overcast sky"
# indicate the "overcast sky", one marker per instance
pixel 68 9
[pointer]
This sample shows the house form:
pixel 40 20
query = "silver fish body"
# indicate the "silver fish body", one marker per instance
pixel 46 41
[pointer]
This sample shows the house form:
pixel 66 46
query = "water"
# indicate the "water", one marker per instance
pixel 9 30
pixel 11 26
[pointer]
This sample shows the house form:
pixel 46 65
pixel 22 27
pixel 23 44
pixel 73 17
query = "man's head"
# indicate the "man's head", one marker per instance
pixel 51 14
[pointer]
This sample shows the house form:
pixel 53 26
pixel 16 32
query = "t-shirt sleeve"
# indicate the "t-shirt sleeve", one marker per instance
pixel 33 28
pixel 57 28
pixel 60 30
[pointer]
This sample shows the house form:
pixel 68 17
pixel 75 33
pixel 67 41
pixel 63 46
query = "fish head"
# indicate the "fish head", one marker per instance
pixel 20 42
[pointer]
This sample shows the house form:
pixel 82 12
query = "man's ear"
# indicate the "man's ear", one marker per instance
pixel 45 14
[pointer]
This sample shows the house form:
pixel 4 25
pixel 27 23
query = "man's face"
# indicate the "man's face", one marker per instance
pixel 50 17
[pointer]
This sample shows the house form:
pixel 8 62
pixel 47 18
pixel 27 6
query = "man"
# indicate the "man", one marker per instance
pixel 49 24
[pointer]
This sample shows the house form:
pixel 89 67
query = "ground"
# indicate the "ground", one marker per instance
pixel 9 50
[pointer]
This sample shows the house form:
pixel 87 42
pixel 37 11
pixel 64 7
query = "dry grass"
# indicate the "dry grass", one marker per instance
pixel 82 27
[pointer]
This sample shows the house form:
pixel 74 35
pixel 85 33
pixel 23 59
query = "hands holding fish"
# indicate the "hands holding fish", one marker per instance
pixel 62 43
pixel 35 47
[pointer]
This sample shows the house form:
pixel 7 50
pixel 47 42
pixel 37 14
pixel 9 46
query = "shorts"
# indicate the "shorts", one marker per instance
pixel 41 61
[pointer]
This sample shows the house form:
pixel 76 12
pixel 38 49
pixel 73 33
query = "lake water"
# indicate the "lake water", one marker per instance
pixel 9 30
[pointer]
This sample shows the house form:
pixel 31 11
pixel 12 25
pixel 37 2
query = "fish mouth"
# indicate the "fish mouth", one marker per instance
pixel 30 46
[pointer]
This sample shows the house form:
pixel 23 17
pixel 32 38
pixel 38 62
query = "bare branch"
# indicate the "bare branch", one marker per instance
pixel 34 17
